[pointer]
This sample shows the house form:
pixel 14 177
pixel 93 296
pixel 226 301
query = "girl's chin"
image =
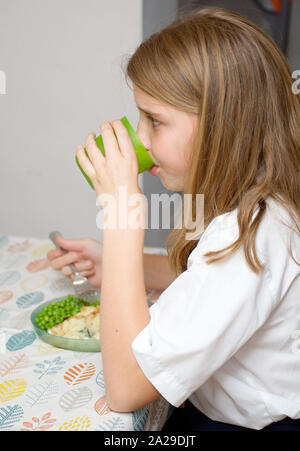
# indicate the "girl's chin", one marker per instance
pixel 170 184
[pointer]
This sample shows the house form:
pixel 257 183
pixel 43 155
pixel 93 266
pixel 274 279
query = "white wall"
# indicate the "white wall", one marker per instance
pixel 62 61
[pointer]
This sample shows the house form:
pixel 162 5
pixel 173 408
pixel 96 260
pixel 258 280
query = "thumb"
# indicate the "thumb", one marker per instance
pixel 70 244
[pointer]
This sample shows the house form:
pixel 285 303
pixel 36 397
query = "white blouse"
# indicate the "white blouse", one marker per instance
pixel 226 338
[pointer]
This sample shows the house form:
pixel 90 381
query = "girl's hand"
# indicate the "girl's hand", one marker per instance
pixel 119 167
pixel 85 253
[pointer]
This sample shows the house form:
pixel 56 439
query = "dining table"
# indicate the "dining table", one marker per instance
pixel 43 387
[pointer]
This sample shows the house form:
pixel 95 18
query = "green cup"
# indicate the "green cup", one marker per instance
pixel 144 160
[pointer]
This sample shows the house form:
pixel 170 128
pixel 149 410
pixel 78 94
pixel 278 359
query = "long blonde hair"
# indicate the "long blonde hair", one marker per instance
pixel 221 66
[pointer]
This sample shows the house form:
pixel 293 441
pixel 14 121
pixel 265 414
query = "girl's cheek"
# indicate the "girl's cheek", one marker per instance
pixel 144 134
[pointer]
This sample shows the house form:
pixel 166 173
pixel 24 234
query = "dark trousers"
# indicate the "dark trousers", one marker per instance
pixel 188 418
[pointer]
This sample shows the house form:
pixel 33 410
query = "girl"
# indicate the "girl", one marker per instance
pixel 219 118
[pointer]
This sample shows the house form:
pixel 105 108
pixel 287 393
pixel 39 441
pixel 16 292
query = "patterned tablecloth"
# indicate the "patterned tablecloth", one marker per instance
pixel 43 387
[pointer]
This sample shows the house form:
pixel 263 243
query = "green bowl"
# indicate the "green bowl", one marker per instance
pixel 72 344
pixel 145 162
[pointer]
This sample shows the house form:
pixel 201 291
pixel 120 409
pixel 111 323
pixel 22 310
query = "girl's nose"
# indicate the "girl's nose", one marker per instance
pixel 142 134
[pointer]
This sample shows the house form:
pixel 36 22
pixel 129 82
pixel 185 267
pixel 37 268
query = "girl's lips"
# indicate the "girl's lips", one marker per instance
pixel 153 171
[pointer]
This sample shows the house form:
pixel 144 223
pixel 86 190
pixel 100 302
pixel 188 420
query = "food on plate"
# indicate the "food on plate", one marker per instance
pixel 57 312
pixel 83 325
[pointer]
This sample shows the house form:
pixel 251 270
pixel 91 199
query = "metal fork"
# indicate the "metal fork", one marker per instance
pixel 82 286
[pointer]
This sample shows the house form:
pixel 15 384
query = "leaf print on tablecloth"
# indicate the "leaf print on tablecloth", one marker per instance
pixel 9 278
pixel 79 373
pixel 5 296
pixel 3 241
pixel 34 282
pixel 101 406
pixel 4 315
pixel 158 414
pixel 39 425
pixel 139 418
pixel 19 247
pixel 42 393
pixel 12 261
pixel 12 389
pixel 78 424
pixel 30 299
pixel 49 367
pixel 38 265
pixel 21 340
pixel 10 416
pixel 41 251
pixel 46 349
pixel 75 398
pixel 115 424
pixel 13 364
pixel 100 379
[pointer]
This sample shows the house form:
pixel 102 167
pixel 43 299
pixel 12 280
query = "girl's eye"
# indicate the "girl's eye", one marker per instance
pixel 155 123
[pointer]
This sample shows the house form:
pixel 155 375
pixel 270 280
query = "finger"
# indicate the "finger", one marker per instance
pixel 74 244
pixel 67 259
pixel 95 155
pixel 54 253
pixel 111 146
pixel 89 273
pixel 84 265
pixel 66 271
pixel 85 163
pixel 125 143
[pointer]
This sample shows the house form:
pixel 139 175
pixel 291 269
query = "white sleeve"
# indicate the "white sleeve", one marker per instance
pixel 201 320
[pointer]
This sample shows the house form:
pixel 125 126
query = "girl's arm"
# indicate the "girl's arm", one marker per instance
pixel 124 314
pixel 124 306
pixel 157 272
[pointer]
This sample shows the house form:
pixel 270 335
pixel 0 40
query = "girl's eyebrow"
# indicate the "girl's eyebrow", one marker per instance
pixel 152 113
